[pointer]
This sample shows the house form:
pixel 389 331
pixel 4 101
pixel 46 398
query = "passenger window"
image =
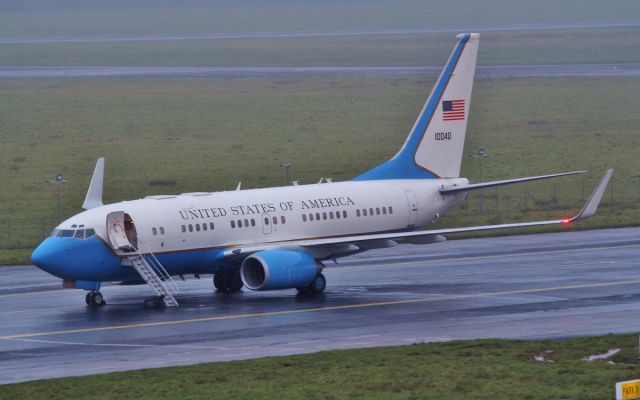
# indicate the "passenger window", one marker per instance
pixel 275 220
pixel 161 230
pixel 371 211
pixel 330 214
pixel 190 228
pixel 317 216
pixel 266 220
pixel 344 214
pixel 197 227
pixel 211 226
pixel 246 223
pixel 304 217
pixel 310 217
pixel 89 233
pixel 282 219
pixel 384 210
pixel 338 214
pixel 184 229
pixel 253 222
pixel 357 212
pixel 154 231
pixel 377 210
pixel 239 223
pixel 324 215
pixel 79 234
pixel 204 227
pixel 233 223
pixel 390 210
pixel 364 212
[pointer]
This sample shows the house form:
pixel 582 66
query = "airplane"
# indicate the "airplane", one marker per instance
pixel 280 237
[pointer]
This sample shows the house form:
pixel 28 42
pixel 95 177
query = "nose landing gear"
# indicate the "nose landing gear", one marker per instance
pixel 95 299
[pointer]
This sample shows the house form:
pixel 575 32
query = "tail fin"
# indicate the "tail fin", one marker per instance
pixel 434 147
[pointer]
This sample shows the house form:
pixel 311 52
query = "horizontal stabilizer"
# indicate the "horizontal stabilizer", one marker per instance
pixel 485 185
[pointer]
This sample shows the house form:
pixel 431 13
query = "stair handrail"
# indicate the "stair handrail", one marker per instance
pixel 160 270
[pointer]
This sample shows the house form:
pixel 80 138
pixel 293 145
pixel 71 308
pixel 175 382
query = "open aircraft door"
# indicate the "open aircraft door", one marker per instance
pixel 122 232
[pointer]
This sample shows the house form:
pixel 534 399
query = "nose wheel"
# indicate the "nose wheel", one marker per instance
pixel 95 299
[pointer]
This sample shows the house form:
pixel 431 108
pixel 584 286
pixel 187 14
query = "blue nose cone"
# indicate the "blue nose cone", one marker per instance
pixel 77 259
pixel 47 256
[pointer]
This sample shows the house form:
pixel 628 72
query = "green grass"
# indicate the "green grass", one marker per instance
pixel 208 134
pixel 487 369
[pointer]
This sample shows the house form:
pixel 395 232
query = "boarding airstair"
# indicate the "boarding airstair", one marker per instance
pixel 155 275
pixel 126 243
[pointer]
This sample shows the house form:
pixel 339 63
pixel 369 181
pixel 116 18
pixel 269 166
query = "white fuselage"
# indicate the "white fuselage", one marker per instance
pixel 167 224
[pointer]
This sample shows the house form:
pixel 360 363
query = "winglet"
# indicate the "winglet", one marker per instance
pixel 94 194
pixel 591 206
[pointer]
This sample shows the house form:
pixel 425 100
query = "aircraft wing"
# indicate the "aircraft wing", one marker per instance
pixel 588 210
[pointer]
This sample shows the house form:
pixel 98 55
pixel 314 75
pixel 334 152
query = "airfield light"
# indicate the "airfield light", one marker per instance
pixel 59 180
pixel 566 221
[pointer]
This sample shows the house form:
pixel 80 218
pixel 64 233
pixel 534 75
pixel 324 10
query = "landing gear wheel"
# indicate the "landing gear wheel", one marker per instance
pixel 219 281
pixel 153 302
pixel 317 286
pixel 235 282
pixel 227 282
pixel 94 298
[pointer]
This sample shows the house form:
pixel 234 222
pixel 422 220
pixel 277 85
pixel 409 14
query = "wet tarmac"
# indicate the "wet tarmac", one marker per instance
pixel 530 286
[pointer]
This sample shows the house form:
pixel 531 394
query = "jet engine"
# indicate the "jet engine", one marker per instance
pixel 278 269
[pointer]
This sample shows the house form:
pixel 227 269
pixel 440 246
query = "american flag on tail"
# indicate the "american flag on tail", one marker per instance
pixel 452 110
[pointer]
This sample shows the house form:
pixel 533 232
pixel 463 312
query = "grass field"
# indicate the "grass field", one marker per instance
pixel 208 134
pixel 479 369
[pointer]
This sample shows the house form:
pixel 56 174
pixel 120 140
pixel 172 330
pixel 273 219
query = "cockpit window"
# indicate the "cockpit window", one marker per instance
pixel 81 234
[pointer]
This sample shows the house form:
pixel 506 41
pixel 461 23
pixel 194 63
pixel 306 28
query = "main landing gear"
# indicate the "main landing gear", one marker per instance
pixel 228 282
pixel 94 299
pixel 316 287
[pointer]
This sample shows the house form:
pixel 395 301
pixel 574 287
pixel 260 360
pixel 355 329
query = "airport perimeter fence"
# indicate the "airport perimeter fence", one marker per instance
pixel 504 203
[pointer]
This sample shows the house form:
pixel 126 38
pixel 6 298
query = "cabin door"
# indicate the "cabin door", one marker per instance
pixel 412 203
pixel 122 232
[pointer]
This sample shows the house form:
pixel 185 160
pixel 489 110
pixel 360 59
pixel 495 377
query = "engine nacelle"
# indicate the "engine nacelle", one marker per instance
pixel 278 269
